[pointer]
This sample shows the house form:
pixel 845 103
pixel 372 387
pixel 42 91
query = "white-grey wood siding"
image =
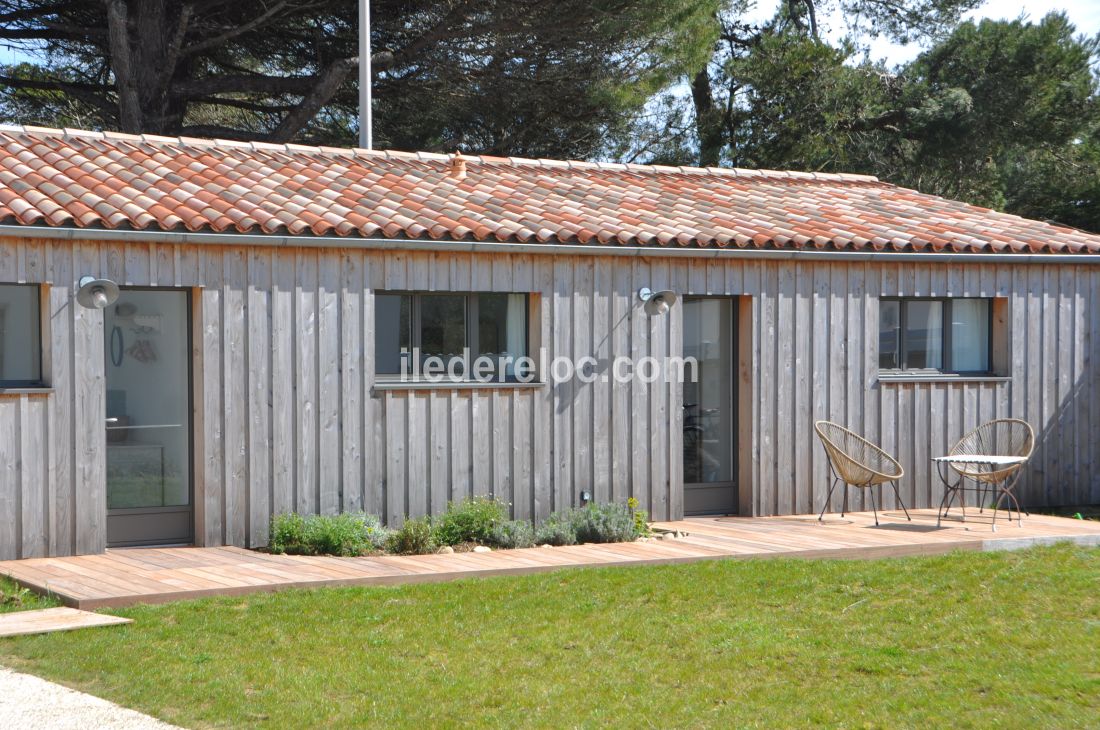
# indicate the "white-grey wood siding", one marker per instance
pixel 288 418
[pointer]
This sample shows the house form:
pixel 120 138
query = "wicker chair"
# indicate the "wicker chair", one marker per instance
pixel 1000 437
pixel 858 463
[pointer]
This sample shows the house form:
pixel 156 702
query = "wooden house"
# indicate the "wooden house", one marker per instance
pixel 270 295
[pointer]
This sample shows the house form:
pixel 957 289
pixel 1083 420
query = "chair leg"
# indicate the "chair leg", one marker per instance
pixel 828 497
pixel 1019 519
pixel 1010 487
pixel 950 501
pixel 941 512
pixel 844 506
pixel 898 495
pixel 996 507
pixel 873 507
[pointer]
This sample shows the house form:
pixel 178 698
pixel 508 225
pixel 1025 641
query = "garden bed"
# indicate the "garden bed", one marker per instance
pixel 474 524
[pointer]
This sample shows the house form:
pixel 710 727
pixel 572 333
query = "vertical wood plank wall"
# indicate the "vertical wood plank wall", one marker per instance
pixel 290 420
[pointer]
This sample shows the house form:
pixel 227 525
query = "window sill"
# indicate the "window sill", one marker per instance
pixel 940 378
pixel 384 385
pixel 26 390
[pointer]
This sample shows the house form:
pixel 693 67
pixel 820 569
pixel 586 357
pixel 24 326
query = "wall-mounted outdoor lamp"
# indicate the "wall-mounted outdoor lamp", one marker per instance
pixel 96 293
pixel 656 302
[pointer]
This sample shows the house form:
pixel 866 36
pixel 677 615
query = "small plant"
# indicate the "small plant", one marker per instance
pixel 557 530
pixel 471 520
pixel 513 534
pixel 603 523
pixel 641 518
pixel 415 537
pixel 348 534
pixel 288 534
pixel 18 597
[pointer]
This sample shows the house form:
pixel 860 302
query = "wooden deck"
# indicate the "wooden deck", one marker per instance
pixel 156 575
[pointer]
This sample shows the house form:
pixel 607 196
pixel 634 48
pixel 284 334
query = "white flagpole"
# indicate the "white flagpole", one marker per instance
pixel 366 131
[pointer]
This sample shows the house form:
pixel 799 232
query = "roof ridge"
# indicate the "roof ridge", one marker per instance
pixel 292 148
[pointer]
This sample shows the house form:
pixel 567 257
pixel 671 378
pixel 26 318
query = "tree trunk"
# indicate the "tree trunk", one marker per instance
pixel 708 121
pixel 145 43
pixel 130 115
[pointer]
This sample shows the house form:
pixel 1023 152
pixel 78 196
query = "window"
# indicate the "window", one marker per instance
pixel 453 330
pixel 935 335
pixel 20 336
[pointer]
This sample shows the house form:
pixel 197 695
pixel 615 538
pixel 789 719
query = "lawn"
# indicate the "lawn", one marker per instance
pixel 967 639
pixel 14 598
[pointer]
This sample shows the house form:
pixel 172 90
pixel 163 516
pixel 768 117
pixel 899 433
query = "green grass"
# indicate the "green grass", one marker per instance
pixel 14 598
pixel 967 640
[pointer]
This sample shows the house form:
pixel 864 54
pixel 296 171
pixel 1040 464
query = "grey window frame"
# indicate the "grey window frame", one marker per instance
pixel 470 313
pixel 947 369
pixel 40 381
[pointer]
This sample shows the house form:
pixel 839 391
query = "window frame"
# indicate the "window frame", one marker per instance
pixel 471 312
pixel 946 344
pixel 37 322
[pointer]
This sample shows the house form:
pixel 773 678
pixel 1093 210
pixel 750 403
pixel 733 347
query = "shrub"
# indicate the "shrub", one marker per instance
pixel 557 530
pixel 471 520
pixel 287 534
pixel 513 534
pixel 603 523
pixel 415 537
pixel 348 534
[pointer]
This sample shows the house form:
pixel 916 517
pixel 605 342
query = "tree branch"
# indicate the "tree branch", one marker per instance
pixel 218 40
pixel 42 34
pixel 243 104
pixel 174 46
pixel 216 131
pixel 438 32
pixel 322 92
pixel 811 10
pixel 254 83
pixel 891 120
pixel 87 93
pixel 76 30
pixel 28 11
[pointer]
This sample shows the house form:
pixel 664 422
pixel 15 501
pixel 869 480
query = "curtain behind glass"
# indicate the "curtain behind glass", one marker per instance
pixel 970 335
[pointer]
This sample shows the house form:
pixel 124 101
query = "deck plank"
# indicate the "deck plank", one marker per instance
pixel 49 620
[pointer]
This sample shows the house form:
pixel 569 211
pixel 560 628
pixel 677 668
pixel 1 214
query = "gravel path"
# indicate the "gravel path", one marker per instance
pixel 30 702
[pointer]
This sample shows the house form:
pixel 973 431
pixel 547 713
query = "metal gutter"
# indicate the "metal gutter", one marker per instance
pixel 546 249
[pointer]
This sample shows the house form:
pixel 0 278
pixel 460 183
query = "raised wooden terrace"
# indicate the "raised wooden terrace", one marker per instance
pixel 156 575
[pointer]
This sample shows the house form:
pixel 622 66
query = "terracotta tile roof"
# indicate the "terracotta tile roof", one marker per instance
pixel 107 180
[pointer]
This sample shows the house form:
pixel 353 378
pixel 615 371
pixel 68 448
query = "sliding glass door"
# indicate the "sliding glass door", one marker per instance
pixel 148 366
pixel 708 431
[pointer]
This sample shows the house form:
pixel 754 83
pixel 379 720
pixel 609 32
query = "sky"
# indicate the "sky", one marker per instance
pixel 1085 14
